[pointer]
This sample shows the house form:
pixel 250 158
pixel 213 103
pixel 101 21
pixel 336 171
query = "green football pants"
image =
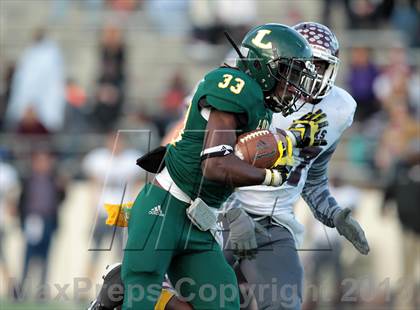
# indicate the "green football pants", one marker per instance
pixel 161 239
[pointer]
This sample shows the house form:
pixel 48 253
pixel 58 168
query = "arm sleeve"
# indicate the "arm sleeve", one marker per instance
pixel 316 192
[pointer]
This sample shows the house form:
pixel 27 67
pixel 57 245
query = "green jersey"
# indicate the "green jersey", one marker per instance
pixel 224 89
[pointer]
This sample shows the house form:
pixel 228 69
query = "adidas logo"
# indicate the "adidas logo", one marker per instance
pixel 225 150
pixel 156 211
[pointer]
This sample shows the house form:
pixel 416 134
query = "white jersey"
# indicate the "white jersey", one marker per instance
pixel 278 202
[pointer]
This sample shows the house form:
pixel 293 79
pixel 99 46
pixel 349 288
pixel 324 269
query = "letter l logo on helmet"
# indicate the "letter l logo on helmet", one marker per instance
pixel 257 41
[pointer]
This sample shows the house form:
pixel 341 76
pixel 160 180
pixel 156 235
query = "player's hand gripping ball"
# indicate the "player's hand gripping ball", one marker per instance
pixel 260 148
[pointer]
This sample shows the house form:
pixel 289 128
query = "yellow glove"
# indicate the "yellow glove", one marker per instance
pixel 306 129
pixel 279 171
pixel 118 214
pixel 285 147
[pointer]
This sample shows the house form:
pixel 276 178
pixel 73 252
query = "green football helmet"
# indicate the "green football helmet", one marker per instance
pixel 273 54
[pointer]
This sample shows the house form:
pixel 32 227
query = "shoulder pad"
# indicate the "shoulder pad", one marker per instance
pixel 344 106
pixel 231 90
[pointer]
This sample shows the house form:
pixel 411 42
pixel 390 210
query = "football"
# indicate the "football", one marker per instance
pixel 258 148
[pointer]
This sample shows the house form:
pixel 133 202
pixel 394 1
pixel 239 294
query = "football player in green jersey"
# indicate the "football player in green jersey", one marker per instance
pixel 172 222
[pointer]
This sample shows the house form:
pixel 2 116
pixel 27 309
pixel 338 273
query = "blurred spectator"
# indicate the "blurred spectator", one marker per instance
pixel 172 103
pixel 113 54
pixel 406 18
pixel 76 106
pixel 42 194
pixel 123 5
pixel 39 82
pixel 404 189
pixel 400 137
pixel 362 73
pixel 30 123
pixel 327 246
pixel 362 14
pixel 107 106
pixel 210 18
pixel 206 27
pixel 384 135
pixel 113 176
pixel 173 98
pixel 9 186
pixel 397 82
pixel 5 91
pixel 109 97
pixel 120 11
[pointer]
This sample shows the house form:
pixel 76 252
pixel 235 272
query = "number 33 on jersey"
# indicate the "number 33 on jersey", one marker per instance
pixel 231 90
pixel 235 88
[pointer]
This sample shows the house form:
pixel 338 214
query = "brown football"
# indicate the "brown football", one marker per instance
pixel 258 148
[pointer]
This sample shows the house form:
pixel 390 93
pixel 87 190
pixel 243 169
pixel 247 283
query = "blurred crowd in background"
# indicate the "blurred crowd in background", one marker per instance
pixel 59 128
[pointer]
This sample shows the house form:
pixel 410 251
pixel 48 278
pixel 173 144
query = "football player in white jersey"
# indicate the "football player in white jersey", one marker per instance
pixel 268 264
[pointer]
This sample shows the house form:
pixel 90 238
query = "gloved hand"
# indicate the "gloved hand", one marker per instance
pixel 279 171
pixel 285 147
pixel 242 236
pixel 348 227
pixel 306 129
